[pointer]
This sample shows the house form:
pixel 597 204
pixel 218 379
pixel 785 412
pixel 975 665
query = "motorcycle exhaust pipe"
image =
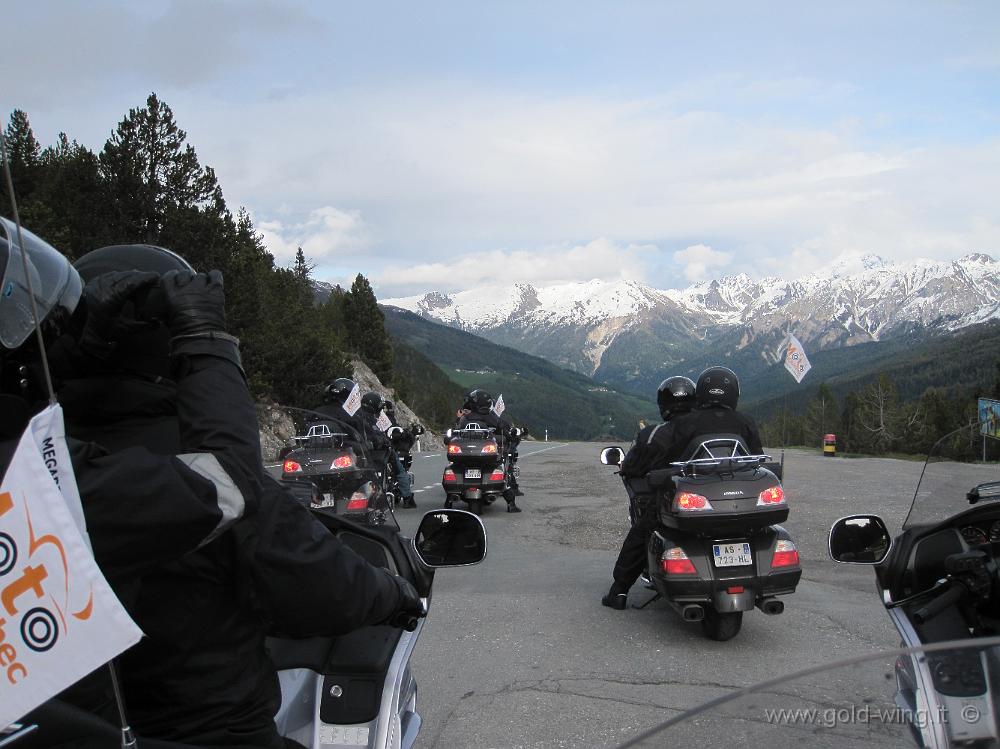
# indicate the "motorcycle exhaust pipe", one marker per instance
pixel 771 606
pixel 692 613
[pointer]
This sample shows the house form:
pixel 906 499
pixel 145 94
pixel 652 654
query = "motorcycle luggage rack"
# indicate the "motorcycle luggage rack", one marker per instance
pixel 473 430
pixel 716 465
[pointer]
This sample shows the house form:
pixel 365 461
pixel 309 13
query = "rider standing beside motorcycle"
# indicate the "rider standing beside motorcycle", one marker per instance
pixel 478 409
pixel 201 674
pixel 674 396
pixel 716 395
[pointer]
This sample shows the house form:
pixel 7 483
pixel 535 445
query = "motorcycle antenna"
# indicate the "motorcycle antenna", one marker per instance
pixel 128 738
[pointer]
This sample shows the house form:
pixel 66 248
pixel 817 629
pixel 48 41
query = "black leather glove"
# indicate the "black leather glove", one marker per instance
pixel 410 607
pixel 107 322
pixel 196 303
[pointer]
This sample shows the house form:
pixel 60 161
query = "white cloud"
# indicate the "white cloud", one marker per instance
pixel 600 259
pixel 701 262
pixel 325 234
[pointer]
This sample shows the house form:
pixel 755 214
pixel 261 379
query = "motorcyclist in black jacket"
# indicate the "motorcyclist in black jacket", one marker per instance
pixel 674 396
pixel 478 409
pixel 142 508
pixel 202 675
pixel 716 396
pixel 372 406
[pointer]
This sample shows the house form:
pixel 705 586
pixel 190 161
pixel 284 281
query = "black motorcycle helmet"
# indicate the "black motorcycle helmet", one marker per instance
pixel 389 408
pixel 675 394
pixel 338 391
pixel 146 352
pixel 56 288
pixel 717 386
pixel 479 401
pixel 372 403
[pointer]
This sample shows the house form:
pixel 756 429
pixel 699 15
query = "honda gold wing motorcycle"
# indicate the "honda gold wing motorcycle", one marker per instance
pixel 938 581
pixel 718 550
pixel 482 466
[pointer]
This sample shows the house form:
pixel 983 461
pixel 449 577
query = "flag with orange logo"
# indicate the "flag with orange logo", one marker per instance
pixel 59 619
pixel 796 361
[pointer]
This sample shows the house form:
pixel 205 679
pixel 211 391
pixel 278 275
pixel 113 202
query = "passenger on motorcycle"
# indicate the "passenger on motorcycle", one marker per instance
pixel 716 395
pixel 674 396
pixel 201 675
pixel 478 409
pixel 143 508
pixel 372 406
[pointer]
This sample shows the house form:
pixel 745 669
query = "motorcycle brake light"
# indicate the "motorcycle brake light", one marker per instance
pixel 290 466
pixel 489 448
pixel 675 562
pixel 785 555
pixel 344 461
pixel 449 475
pixel 773 495
pixel 358 501
pixel 497 475
pixel 689 501
pixel 454 449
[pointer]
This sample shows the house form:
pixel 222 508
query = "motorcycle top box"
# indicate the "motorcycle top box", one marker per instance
pixel 473 446
pixel 729 495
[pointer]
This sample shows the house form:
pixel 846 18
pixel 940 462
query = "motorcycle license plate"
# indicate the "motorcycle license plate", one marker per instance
pixel 327 501
pixel 473 473
pixel 732 555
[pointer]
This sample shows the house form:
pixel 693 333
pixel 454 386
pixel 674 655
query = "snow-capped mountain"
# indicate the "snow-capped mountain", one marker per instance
pixel 614 330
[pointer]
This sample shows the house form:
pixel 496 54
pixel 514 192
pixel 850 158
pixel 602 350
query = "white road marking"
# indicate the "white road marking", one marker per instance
pixel 435 455
pixel 417 491
pixel 274 465
pixel 544 449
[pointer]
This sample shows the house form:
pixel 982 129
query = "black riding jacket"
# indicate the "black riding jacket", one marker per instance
pixel 202 674
pixel 659 445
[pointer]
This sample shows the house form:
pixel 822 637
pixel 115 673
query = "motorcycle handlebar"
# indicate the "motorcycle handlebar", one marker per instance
pixel 950 596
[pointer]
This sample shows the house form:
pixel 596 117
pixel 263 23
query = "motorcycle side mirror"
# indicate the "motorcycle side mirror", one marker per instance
pixel 612 456
pixel 447 433
pixel 418 429
pixel 860 539
pixel 450 538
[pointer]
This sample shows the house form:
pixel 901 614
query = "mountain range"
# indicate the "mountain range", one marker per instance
pixel 629 335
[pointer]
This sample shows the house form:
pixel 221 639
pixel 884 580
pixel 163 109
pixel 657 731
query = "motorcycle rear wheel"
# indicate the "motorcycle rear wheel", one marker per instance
pixel 476 506
pixel 721 626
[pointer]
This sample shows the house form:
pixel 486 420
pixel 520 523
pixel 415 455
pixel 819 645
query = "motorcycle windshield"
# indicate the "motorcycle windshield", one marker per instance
pixel 941 695
pixel 330 462
pixel 956 465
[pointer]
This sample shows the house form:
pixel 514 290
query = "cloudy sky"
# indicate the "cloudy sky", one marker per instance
pixel 439 145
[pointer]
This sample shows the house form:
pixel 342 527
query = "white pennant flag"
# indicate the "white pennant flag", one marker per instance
pixel 383 422
pixel 498 406
pixel 796 361
pixel 353 402
pixel 59 618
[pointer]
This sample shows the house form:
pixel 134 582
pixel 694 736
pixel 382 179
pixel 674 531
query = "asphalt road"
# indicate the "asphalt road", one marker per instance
pixel 518 651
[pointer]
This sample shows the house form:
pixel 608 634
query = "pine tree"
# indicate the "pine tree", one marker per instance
pixel 366 328
pixel 23 152
pixel 302 269
pixel 821 416
pixel 151 173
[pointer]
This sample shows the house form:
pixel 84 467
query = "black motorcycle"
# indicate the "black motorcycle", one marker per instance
pixel 481 466
pixel 718 550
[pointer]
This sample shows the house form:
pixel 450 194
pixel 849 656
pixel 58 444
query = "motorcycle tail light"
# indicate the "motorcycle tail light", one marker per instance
pixel 290 466
pixel 449 476
pixel 489 448
pixel 344 461
pixel 675 562
pixel 358 501
pixel 692 502
pixel 497 475
pixel 773 495
pixel 454 449
pixel 785 555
